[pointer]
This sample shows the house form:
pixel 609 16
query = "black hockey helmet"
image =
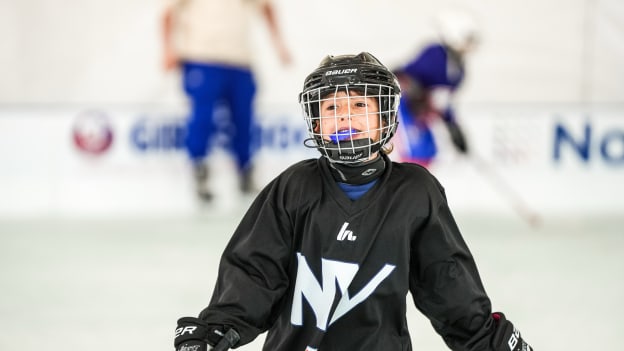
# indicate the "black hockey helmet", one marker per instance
pixel 364 74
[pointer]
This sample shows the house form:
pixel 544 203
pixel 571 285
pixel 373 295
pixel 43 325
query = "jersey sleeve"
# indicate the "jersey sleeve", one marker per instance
pixel 445 283
pixel 429 68
pixel 253 272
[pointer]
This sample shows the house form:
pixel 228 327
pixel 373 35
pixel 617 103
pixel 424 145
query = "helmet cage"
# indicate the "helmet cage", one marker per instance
pixel 368 78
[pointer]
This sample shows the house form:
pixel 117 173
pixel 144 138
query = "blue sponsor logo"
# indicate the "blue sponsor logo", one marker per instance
pixel 168 134
pixel 587 144
pixel 279 136
pixel 158 135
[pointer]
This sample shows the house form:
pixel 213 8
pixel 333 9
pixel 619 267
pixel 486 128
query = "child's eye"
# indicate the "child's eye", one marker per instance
pixel 360 104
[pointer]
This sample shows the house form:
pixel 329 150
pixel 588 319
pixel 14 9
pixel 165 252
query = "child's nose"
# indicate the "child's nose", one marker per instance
pixel 343 111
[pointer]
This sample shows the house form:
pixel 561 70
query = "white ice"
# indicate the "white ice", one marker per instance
pixel 121 283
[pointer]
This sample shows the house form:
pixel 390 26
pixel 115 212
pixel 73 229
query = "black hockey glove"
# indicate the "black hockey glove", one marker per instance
pixel 194 334
pixel 457 136
pixel 506 336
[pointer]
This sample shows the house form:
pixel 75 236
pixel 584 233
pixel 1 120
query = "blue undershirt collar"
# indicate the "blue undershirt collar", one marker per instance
pixel 355 192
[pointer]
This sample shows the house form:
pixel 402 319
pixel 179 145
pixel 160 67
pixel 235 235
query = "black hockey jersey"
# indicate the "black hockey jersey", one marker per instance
pixel 322 272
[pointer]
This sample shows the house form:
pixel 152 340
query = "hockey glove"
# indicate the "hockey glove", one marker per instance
pixel 194 334
pixel 457 136
pixel 506 336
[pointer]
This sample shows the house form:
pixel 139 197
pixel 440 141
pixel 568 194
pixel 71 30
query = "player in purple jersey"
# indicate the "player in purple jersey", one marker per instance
pixel 429 83
pixel 327 253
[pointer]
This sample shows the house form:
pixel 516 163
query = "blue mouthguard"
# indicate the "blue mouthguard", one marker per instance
pixel 342 135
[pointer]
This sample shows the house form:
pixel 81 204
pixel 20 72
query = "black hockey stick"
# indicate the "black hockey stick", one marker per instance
pixel 230 338
pixel 504 189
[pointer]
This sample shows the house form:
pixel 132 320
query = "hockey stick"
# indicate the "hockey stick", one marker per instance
pixel 504 189
pixel 230 338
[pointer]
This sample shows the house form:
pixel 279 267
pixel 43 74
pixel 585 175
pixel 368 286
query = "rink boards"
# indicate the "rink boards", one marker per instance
pixel 72 160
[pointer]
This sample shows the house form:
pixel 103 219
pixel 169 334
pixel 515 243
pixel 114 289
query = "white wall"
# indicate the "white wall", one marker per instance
pixel 96 51
pixel 541 64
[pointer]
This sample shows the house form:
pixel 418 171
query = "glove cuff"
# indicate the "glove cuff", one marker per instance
pixel 190 328
pixel 506 336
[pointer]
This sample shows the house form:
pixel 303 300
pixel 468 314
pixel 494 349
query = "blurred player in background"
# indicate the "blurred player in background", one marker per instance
pixel 429 83
pixel 328 251
pixel 209 41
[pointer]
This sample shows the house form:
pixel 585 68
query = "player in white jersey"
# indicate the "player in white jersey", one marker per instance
pixel 209 41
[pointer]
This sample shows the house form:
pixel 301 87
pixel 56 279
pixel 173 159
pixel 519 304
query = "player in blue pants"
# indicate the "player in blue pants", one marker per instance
pixel 208 40
pixel 208 85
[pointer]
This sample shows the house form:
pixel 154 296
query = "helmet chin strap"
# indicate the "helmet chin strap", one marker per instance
pixel 349 151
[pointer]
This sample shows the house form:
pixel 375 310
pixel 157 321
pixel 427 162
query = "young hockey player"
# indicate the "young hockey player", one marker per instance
pixel 326 254
pixel 429 83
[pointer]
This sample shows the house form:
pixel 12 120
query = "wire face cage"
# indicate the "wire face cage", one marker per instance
pixel 348 123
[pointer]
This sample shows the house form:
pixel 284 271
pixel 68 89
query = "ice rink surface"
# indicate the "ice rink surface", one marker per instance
pixel 121 283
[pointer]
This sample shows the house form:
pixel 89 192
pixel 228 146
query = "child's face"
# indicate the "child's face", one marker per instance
pixel 343 113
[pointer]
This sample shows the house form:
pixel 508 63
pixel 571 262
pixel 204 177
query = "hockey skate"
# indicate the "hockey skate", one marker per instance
pixel 202 177
pixel 246 181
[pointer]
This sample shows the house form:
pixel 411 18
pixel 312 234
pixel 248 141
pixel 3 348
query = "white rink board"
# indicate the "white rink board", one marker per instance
pixel 145 170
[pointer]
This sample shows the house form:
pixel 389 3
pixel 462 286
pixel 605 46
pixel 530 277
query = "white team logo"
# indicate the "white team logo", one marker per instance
pixel 369 171
pixel 321 296
pixel 345 234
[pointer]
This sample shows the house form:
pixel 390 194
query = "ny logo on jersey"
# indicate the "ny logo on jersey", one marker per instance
pixel 345 234
pixel 321 297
